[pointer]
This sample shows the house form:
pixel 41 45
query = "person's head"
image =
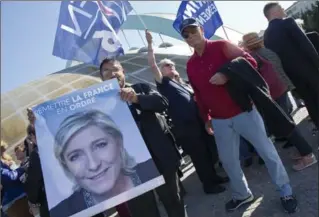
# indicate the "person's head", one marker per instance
pixel 252 42
pixel 192 32
pixel 89 146
pixel 167 68
pixel 4 146
pixel 273 10
pixel 111 68
pixel 20 152
pixel 5 157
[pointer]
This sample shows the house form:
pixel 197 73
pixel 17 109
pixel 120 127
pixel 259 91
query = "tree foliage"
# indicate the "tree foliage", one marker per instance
pixel 311 18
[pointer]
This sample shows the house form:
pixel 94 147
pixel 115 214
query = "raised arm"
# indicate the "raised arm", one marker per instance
pixel 151 58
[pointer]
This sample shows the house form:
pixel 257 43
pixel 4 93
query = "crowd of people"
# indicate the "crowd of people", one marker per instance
pixel 234 103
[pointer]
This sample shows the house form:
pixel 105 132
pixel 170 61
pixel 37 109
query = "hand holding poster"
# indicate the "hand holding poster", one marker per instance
pixel 92 154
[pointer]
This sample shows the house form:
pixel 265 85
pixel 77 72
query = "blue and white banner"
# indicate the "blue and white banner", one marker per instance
pixel 92 154
pixel 205 12
pixel 87 30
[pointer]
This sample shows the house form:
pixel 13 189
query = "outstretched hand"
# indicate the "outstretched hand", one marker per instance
pixel 148 36
pixel 129 95
pixel 31 116
pixel 209 128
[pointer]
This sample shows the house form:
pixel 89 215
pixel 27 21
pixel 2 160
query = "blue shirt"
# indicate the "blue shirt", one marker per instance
pixel 182 107
pixel 12 187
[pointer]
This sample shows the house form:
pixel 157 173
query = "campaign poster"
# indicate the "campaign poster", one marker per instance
pixel 92 154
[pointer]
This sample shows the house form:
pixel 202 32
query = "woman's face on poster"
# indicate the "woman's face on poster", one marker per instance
pixel 93 157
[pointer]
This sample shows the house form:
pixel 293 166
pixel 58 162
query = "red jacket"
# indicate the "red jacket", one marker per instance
pixel 276 87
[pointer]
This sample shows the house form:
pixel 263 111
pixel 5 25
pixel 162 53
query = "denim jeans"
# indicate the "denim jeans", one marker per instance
pixel 250 126
pixel 245 151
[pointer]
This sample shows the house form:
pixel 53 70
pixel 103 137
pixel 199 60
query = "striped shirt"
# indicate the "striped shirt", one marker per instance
pixel 275 60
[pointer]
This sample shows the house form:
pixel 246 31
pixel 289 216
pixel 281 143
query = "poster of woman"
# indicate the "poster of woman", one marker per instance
pixel 92 154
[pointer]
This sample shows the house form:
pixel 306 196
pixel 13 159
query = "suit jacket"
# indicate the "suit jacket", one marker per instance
pixel 34 185
pixel 75 203
pixel 299 57
pixel 314 38
pixel 154 128
pixel 245 84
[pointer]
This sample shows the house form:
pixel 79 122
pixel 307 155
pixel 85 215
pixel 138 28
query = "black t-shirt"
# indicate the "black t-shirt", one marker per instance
pixel 182 107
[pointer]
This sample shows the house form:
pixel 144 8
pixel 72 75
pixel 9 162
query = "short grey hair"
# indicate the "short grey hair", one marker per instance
pixel 165 61
pixel 81 120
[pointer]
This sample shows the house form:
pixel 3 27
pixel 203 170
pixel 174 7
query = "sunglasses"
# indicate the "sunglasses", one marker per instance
pixel 168 65
pixel 190 30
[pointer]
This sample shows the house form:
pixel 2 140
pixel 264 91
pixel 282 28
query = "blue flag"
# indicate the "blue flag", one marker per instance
pixel 87 30
pixel 205 12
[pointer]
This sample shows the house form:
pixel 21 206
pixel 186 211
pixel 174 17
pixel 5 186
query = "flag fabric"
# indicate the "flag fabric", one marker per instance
pixel 205 12
pixel 87 30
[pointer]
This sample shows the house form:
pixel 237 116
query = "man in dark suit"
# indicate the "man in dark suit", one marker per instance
pixel 147 107
pixel 299 57
pixel 314 38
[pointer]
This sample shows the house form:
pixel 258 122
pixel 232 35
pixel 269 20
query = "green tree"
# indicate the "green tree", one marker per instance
pixel 311 18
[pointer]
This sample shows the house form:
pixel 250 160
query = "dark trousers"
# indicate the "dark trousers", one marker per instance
pixel 44 209
pixel 202 157
pixel 309 92
pixel 20 208
pixel 297 98
pixel 3 214
pixel 169 193
pixel 295 138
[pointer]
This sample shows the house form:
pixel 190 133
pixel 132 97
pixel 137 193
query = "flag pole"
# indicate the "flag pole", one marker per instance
pixel 225 32
pixel 144 25
pixel 233 30
pixel 141 37
pixel 140 18
pixel 129 46
pixel 160 35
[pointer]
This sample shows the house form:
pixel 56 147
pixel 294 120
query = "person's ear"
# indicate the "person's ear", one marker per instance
pixel 202 30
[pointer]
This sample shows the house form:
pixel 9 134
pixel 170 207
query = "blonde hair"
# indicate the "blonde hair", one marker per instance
pixel 81 120
pixel 4 156
pixel 254 47
pixel 4 145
